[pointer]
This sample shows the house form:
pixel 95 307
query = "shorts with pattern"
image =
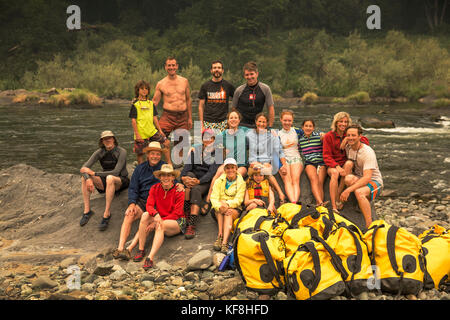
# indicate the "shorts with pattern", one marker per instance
pixel 294 160
pixel 375 189
pixel 216 126
pixel 138 147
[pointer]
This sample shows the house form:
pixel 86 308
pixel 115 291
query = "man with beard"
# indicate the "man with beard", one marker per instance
pixel 213 99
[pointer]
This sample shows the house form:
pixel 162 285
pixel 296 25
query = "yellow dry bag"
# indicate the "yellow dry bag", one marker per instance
pixel 398 257
pixel 436 249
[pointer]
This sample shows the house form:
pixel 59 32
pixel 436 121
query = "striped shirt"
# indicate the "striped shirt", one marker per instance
pixel 311 147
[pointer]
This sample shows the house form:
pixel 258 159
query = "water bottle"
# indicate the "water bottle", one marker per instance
pixel 227 259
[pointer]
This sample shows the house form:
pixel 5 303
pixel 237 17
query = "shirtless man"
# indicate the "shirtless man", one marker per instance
pixel 177 106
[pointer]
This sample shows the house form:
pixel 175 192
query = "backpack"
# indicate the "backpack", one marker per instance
pixel 348 244
pixel 258 256
pixel 314 271
pixel 436 248
pixel 398 256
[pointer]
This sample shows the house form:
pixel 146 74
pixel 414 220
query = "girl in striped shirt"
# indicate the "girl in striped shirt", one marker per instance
pixel 310 143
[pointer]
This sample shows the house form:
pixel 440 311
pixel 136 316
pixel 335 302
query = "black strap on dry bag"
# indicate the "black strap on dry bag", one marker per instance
pixel 390 244
pixel 336 261
pixel 317 269
pixel 262 237
pixel 372 254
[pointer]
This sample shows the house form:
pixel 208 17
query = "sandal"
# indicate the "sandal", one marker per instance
pixel 336 211
pixel 283 201
pixel 116 253
pixel 125 255
pixel 205 208
pixel 148 264
pixel 339 205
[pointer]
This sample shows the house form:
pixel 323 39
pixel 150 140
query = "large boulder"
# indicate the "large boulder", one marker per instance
pixel 370 122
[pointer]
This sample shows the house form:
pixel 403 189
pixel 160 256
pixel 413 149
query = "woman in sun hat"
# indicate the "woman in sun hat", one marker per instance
pixel 164 215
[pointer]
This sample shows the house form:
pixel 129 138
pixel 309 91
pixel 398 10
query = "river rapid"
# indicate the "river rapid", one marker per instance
pixel 413 157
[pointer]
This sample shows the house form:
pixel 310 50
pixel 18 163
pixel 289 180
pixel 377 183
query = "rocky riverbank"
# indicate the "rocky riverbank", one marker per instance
pixel 41 241
pixel 103 278
pixel 36 268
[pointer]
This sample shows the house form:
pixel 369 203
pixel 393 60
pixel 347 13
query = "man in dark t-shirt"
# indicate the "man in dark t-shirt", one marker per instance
pixel 213 99
pixel 251 98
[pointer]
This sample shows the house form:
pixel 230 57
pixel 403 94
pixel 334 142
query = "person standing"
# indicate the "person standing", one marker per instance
pixel 213 99
pixel 251 98
pixel 366 181
pixel 177 107
pixel 144 121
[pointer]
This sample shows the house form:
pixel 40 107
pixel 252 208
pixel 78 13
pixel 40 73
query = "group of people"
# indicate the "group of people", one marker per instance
pixel 234 168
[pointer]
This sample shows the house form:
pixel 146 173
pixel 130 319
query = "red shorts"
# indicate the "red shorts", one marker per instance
pixel 171 120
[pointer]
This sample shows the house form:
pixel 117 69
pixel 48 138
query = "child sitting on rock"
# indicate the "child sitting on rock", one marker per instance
pixel 258 193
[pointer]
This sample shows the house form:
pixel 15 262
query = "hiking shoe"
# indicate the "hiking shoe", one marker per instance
pixel 224 248
pixel 139 256
pixel 86 217
pixel 148 264
pixel 190 232
pixel 125 255
pixel 104 224
pixel 218 244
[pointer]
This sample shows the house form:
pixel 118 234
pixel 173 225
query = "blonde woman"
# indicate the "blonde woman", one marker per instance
pixel 334 156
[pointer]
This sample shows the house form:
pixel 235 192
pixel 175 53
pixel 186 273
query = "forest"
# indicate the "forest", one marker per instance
pixel 320 46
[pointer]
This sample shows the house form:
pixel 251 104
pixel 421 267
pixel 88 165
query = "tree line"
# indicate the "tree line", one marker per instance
pixel 300 45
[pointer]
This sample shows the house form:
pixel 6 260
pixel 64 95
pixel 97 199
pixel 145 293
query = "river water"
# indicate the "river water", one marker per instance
pixel 413 157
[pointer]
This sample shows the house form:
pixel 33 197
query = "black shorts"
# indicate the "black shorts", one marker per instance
pixel 125 183
pixel 142 204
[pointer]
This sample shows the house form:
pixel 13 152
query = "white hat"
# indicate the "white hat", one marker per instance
pixel 229 161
